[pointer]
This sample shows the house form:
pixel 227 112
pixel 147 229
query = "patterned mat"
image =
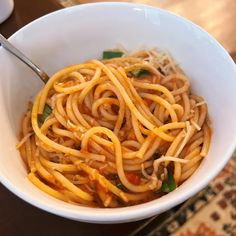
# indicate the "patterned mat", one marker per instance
pixel 212 212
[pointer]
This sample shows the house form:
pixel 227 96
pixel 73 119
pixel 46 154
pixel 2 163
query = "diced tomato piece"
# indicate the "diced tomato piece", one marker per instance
pixel 133 178
pixel 148 102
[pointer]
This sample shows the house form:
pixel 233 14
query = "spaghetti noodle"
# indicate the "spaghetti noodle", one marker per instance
pixel 115 132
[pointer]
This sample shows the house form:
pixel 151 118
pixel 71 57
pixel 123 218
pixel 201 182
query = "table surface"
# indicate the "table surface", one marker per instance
pixel 18 217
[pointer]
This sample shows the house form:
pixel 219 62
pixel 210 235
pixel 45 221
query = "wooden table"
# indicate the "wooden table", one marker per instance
pixel 217 17
pixel 19 218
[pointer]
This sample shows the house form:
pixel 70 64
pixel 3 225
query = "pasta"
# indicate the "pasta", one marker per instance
pixel 115 132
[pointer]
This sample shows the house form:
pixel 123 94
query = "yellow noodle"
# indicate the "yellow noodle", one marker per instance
pixel 68 185
pixel 188 173
pixel 32 177
pixel 113 128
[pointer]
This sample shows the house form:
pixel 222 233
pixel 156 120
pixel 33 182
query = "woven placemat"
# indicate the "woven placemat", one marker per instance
pixel 212 212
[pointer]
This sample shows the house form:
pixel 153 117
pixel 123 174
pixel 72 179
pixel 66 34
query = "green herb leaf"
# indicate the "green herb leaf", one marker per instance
pixel 139 72
pixel 169 184
pixel 156 155
pixel 46 112
pixel 120 186
pixel 111 54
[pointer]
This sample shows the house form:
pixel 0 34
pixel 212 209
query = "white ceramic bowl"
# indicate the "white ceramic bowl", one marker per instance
pixel 75 34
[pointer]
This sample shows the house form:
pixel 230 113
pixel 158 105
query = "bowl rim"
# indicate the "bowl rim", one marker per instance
pixel 131 213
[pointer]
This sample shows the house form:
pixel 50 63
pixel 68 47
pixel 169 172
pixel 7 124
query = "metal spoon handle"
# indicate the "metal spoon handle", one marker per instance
pixel 9 47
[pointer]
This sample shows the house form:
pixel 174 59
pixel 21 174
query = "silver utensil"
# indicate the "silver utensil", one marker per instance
pixel 10 48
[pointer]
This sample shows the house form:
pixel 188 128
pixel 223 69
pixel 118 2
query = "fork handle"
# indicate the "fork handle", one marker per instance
pixel 10 48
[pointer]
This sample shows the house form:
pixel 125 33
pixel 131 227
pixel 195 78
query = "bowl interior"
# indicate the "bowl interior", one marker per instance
pixel 73 35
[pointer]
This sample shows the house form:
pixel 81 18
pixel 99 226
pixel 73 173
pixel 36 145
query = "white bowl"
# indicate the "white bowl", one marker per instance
pixel 75 34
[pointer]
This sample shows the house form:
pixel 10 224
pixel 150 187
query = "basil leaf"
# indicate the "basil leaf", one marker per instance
pixel 169 184
pixel 156 155
pixel 139 72
pixel 46 113
pixel 121 186
pixel 111 54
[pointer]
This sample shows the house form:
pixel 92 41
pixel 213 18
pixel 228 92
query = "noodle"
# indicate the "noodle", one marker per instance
pixel 115 132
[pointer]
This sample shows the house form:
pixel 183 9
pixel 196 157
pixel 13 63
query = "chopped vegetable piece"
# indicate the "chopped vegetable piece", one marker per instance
pixel 169 184
pixel 139 72
pixel 46 112
pixel 148 102
pixel 133 178
pixel 120 186
pixel 156 155
pixel 113 177
pixel 111 54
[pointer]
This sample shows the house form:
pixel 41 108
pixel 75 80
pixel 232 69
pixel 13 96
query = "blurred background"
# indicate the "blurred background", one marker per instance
pixel 218 17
